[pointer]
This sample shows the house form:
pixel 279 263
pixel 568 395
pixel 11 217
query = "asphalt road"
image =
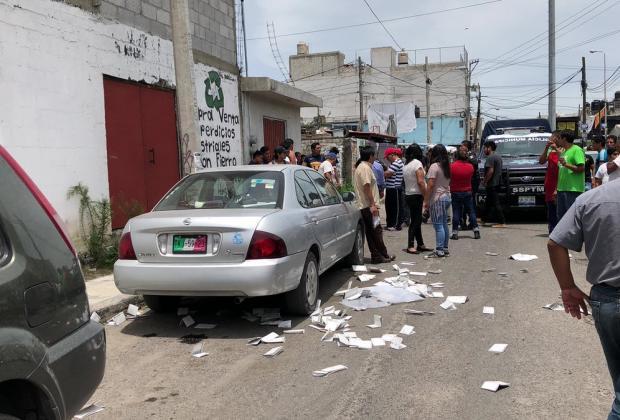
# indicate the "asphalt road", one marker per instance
pixel 554 364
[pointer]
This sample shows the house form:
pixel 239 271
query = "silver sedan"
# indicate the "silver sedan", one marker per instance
pixel 243 231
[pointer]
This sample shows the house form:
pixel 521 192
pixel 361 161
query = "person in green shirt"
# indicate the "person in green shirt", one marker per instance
pixel 571 178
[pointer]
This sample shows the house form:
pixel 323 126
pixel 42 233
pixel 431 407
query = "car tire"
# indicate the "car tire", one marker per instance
pixel 161 303
pixel 302 301
pixel 356 257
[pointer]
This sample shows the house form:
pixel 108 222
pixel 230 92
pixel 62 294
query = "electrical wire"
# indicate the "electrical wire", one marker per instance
pixel 384 27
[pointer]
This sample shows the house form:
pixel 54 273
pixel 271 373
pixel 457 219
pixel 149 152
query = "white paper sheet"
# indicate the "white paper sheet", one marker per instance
pixel 377 342
pixel 457 299
pixel 397 343
pixel 364 303
pixel 388 293
pixel 492 254
pixel 438 271
pixel 366 277
pixel 272 338
pixel 95 317
pixel 437 295
pixel 498 348
pixel 299 331
pixel 448 306
pixel 360 344
pixel 205 326
pixel 328 370
pixel 523 257
pixel 376 323
pixel 285 324
pixel 396 267
pixel 489 310
pixel 494 386
pixel 359 268
pixel 407 330
pixel 418 273
pixel 407 263
pixel 388 337
pixel 417 312
pixel 188 321
pixel 133 310
pixel 198 351
pixel 274 351
pixel 118 319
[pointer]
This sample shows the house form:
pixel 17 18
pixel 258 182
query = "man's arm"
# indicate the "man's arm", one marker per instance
pixel 328 176
pixel 543 156
pixel 374 208
pixel 488 175
pixel 419 174
pixel 613 165
pixel 573 298
pixel 429 189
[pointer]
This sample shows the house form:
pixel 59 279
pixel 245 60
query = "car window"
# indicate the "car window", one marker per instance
pixel 230 190
pixel 326 189
pixel 307 194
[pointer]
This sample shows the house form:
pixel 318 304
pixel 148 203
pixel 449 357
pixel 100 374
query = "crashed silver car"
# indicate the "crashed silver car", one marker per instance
pixel 244 231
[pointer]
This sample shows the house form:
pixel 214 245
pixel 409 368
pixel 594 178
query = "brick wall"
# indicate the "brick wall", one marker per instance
pixel 212 24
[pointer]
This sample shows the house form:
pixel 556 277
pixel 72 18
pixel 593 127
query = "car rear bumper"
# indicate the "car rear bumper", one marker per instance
pixel 249 278
pixel 78 363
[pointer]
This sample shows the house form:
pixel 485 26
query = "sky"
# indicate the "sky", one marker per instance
pixel 491 32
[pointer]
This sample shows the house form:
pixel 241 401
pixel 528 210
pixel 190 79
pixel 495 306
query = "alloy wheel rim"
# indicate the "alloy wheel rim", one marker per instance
pixel 311 282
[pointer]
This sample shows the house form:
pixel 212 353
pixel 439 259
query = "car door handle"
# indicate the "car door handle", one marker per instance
pixel 314 220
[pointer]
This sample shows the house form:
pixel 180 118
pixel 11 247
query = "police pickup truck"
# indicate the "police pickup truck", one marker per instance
pixel 523 178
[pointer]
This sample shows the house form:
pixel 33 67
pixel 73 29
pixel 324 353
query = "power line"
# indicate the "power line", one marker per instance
pixel 357 25
pixel 384 27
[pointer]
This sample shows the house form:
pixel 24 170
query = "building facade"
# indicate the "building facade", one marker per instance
pixel 390 77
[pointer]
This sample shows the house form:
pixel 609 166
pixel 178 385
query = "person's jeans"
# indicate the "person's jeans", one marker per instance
pixel 605 303
pixel 393 210
pixel 463 204
pixel 493 205
pixel 414 202
pixel 439 216
pixel 564 200
pixel 552 215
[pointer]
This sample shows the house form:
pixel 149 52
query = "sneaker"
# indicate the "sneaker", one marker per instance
pixel 476 234
pixel 487 224
pixel 380 261
pixel 436 254
pixel 455 236
pixel 446 252
pixel 499 226
pixel 390 229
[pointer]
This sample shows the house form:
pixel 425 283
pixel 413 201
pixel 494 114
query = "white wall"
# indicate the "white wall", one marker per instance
pixel 52 120
pixel 257 107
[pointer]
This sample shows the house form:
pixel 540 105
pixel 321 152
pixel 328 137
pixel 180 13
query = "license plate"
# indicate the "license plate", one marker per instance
pixel 194 244
pixel 527 201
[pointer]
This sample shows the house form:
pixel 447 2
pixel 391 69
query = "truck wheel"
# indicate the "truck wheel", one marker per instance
pixel 302 301
pixel 356 257
pixel 161 303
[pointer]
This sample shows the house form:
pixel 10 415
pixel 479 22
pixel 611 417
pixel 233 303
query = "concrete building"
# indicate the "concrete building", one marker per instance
pixel 271 112
pixel 389 77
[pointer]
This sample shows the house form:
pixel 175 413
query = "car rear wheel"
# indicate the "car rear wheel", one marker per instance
pixel 302 301
pixel 356 257
pixel 161 303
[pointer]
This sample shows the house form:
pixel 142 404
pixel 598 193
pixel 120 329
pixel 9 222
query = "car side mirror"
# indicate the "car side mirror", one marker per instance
pixel 348 196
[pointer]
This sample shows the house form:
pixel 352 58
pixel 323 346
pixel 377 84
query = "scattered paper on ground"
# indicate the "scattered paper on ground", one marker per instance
pixel 492 254
pixel 457 299
pixel 205 326
pixel 554 306
pixel 376 270
pixel 407 330
pixel 118 319
pixel 274 351
pixel 498 348
pixel 376 323
pixel 188 321
pixel 377 342
pixel 198 351
pixel 434 271
pixel 388 293
pixel 523 257
pixel 437 285
pixel 328 370
pixel 88 411
pixel 490 310
pixel 364 303
pixel 397 343
pixel 448 305
pixel 133 310
pixel 418 312
pixel 437 294
pixel 417 273
pixel 95 317
pixel 494 385
pixel 407 263
pixel 366 277
pixel 300 331
pixel 359 268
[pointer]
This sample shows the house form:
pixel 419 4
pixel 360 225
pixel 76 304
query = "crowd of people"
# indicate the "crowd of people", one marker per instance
pixel 326 164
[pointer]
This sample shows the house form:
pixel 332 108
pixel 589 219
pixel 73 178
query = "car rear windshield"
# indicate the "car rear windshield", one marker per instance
pixel 226 190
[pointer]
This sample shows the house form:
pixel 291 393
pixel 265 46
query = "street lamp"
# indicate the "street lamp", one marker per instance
pixel 604 83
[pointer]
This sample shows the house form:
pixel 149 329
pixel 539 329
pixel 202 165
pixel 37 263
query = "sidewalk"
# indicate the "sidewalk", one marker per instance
pixel 105 299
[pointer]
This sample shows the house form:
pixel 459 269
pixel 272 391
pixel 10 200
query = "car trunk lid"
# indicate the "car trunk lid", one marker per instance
pixel 195 236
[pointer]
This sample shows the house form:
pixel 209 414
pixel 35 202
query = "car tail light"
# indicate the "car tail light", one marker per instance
pixel 266 245
pixel 38 195
pixel 125 248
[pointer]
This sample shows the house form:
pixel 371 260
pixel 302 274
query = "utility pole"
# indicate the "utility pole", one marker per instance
pixel 605 89
pixel 429 134
pixel 185 87
pixel 477 120
pixel 245 43
pixel 468 100
pixel 551 101
pixel 359 76
pixel 584 86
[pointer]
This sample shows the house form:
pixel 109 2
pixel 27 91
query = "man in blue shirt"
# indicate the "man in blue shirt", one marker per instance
pixel 379 171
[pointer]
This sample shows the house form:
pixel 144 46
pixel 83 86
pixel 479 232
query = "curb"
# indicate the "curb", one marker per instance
pixel 110 307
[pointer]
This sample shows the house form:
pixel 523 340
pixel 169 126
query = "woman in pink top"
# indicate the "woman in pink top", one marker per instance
pixel 437 198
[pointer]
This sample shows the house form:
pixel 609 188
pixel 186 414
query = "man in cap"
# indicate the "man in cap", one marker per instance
pixel 394 189
pixel 327 167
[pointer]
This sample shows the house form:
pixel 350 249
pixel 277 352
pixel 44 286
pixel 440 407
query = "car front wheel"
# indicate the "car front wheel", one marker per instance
pixel 356 257
pixel 302 301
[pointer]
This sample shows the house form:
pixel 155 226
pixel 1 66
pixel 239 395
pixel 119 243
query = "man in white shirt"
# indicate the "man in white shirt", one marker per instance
pixel 327 167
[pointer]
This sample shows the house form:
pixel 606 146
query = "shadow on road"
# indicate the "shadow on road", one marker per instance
pixel 226 314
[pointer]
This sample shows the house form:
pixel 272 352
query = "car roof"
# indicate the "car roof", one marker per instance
pixel 515 136
pixel 254 168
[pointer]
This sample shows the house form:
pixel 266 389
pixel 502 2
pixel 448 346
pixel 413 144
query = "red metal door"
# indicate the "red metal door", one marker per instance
pixel 142 147
pixel 274 132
